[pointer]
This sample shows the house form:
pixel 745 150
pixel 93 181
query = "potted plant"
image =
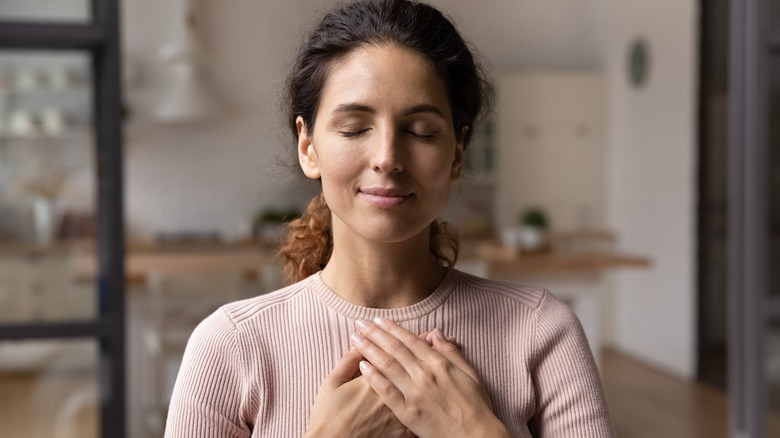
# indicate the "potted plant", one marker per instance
pixel 533 229
pixel 269 222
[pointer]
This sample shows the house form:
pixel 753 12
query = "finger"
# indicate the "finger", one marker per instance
pixel 387 363
pixel 393 344
pixel 390 395
pixel 345 370
pixel 392 337
pixel 429 338
pixel 451 352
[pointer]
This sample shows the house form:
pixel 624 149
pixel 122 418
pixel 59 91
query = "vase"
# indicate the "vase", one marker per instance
pixel 532 238
pixel 43 220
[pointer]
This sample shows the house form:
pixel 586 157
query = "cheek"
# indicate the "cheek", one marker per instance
pixel 438 167
pixel 338 161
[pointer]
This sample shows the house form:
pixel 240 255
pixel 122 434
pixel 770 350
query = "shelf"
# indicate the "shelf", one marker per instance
pixel 47 92
pixel 81 133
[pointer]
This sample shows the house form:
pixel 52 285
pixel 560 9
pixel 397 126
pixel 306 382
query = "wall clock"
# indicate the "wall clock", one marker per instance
pixel 638 63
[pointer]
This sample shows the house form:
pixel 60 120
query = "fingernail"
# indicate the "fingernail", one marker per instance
pixel 356 339
pixel 364 365
pixel 451 339
pixel 439 335
pixel 379 321
pixel 361 324
pixel 429 338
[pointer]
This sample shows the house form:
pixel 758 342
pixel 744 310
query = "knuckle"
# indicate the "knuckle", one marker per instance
pixel 386 361
pixel 408 338
pixel 450 348
pixel 441 365
pixel 370 330
pixel 414 414
pixel 394 345
pixel 427 377
pixel 384 388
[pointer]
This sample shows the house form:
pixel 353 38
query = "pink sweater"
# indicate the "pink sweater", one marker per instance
pixel 253 367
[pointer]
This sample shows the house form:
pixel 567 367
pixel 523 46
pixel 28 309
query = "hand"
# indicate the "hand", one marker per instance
pixel 432 389
pixel 347 406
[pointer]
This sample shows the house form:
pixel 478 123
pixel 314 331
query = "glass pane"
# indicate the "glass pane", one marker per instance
pixel 774 178
pixel 45 10
pixel 47 188
pixel 774 6
pixel 48 389
pixel 773 378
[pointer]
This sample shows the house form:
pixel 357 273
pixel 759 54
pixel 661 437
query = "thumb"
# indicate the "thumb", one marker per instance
pixel 346 369
pixel 449 350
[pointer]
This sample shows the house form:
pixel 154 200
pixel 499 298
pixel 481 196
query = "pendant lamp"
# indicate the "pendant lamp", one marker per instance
pixel 189 96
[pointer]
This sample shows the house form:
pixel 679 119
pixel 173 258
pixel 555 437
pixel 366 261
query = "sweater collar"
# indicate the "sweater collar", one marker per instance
pixel 350 310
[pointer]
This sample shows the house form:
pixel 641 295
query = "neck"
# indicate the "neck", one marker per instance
pixel 383 275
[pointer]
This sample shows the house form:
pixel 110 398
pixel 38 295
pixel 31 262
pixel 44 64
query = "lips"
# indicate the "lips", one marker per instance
pixel 386 196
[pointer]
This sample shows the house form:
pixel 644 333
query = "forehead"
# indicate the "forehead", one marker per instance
pixel 385 77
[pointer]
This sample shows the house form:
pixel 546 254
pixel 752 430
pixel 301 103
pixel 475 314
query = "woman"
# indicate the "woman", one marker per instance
pixel 377 335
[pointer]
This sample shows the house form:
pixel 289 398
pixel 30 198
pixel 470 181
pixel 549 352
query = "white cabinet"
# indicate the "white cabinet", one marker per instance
pixel 43 288
pixel 550 141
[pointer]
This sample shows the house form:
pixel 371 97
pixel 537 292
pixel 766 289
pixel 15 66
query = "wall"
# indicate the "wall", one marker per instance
pixel 212 175
pixel 529 35
pixel 231 162
pixel 550 141
pixel 651 181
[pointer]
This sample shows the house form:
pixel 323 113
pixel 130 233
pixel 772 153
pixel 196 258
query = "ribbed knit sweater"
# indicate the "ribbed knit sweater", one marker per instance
pixel 254 366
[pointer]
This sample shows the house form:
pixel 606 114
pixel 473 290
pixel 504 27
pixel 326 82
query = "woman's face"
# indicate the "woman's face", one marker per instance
pixel 383 144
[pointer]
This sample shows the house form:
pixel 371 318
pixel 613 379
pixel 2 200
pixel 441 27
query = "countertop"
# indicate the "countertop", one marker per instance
pixel 141 257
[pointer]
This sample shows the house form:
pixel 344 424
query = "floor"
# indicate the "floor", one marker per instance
pixel 643 402
pixel 59 405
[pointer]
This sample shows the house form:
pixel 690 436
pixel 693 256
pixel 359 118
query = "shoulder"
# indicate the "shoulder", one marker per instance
pixel 531 297
pixel 282 300
pixel 543 309
pixel 230 329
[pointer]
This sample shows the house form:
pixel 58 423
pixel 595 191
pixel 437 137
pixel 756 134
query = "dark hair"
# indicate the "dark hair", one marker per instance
pixel 416 26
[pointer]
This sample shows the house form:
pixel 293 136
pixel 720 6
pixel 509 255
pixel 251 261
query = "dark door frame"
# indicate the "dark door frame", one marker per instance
pixel 100 38
pixel 750 305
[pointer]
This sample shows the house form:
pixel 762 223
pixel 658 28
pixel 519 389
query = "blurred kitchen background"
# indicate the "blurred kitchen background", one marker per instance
pixel 601 174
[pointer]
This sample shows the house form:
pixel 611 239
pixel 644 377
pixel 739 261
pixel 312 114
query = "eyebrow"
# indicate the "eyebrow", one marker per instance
pixel 358 107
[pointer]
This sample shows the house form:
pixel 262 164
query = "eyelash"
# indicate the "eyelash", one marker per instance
pixel 352 134
pixel 423 136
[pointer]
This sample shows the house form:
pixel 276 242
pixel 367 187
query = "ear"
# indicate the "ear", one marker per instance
pixel 307 156
pixel 459 160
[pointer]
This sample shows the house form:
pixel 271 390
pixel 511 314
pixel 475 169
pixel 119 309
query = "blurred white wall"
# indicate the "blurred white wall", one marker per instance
pixel 228 164
pixel 651 179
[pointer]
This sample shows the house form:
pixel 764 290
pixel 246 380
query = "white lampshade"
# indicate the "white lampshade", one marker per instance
pixel 188 98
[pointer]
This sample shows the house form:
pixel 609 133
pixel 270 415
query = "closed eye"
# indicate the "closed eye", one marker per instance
pixel 350 134
pixel 422 136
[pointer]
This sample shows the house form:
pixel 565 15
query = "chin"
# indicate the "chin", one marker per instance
pixel 392 231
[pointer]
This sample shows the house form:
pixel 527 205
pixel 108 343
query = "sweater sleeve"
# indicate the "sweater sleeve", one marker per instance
pixel 570 399
pixel 209 392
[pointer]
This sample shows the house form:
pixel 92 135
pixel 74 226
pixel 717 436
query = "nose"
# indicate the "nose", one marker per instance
pixel 387 153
